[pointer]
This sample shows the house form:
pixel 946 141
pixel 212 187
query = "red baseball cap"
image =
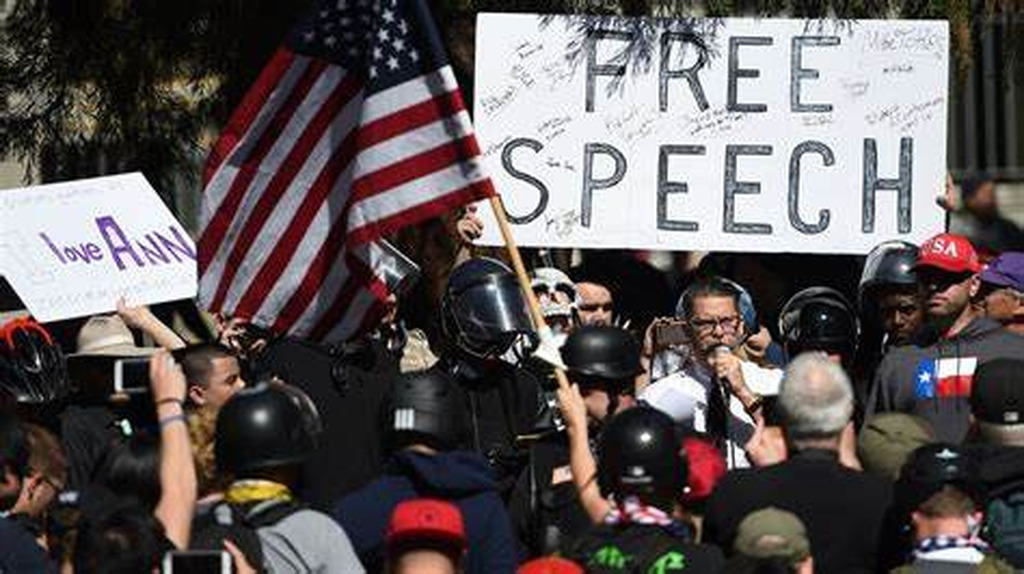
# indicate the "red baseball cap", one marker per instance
pixel 426 519
pixel 949 252
pixel 550 565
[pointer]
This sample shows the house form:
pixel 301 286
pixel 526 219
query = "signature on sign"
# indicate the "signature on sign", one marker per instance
pixel 562 225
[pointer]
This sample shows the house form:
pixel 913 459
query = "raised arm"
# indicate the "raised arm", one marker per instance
pixel 143 319
pixel 581 460
pixel 177 469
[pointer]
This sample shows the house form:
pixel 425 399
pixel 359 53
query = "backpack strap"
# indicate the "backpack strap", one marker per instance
pixel 268 512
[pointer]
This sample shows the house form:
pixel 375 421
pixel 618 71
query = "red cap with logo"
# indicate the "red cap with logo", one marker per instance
pixel 949 252
pixel 427 520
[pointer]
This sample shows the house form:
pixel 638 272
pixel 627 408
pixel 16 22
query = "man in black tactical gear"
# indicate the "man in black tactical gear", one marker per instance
pixel 487 333
pixel 264 435
pixel 602 361
pixel 641 465
pixel 424 423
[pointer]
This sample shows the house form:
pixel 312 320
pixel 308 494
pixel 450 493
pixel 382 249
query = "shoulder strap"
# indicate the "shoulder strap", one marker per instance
pixel 268 513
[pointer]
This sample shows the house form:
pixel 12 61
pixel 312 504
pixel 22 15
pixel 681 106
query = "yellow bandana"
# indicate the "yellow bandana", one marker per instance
pixel 246 491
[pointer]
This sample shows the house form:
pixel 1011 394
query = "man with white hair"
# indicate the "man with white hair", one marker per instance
pixel 843 509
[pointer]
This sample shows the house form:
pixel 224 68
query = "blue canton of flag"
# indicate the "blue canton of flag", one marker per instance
pixel 372 37
pixel 355 129
pixel 924 379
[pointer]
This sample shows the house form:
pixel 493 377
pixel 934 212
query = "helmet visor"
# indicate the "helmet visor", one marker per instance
pixel 491 312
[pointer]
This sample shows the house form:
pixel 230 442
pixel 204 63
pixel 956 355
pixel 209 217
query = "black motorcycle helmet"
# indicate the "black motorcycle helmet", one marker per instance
pixel 483 312
pixel 595 354
pixel 32 367
pixel 889 263
pixel 265 426
pixel 640 455
pixel 425 407
pixel 819 319
pixel 931 467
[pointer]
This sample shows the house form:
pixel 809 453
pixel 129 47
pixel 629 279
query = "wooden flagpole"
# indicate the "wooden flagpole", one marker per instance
pixel 524 283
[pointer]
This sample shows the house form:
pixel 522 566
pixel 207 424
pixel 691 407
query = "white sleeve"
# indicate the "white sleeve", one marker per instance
pixel 763 381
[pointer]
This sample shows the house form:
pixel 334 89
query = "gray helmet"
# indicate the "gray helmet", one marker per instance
pixel 483 312
pixel 889 263
pixel 640 454
pixel 426 407
pixel 268 425
pixel 601 353
pixel 819 319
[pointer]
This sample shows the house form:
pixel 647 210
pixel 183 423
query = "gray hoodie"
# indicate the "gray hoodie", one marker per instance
pixel 934 381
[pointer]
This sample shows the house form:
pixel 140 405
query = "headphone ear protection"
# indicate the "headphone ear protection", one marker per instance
pixel 744 303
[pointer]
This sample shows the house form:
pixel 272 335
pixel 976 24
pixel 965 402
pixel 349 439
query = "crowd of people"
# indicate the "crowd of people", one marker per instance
pixel 879 434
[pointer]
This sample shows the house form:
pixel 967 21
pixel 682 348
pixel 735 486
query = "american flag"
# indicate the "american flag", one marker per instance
pixel 355 129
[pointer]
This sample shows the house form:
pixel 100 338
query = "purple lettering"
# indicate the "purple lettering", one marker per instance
pixel 71 254
pixel 53 247
pixel 174 248
pixel 93 251
pixel 155 255
pixel 109 227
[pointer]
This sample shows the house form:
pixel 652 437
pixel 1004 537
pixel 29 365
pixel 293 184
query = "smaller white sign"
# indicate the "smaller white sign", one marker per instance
pixel 73 249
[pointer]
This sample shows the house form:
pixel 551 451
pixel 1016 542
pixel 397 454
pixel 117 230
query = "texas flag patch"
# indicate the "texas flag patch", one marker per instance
pixel 944 377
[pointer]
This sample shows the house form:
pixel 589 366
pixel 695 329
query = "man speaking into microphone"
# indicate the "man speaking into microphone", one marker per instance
pixel 725 390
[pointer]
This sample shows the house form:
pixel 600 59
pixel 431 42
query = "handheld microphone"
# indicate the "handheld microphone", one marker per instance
pixel 717 352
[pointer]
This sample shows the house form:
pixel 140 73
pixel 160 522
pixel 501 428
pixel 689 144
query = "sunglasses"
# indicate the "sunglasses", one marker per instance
pixel 590 307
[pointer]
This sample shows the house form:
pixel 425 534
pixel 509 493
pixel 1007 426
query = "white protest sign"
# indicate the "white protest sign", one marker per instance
pixel 729 134
pixel 72 249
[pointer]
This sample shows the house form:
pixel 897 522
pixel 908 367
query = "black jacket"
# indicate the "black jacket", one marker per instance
pixel 348 391
pixel 545 507
pixel 502 403
pixel 844 510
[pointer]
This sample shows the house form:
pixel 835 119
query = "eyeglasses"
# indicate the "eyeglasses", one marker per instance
pixel 727 324
pixel 591 307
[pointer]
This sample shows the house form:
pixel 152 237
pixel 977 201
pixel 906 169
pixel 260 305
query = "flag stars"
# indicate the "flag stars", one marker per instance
pixel 414 55
pixel 382 35
pixel 388 16
pixel 393 63
pixel 377 53
pixel 330 41
pixel 398 44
